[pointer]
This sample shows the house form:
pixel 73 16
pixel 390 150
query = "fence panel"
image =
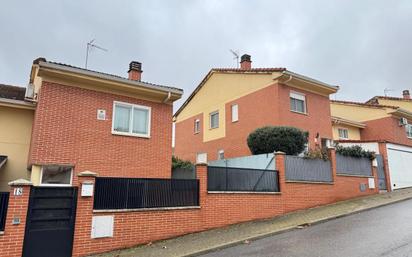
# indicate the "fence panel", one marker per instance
pixel 245 180
pixel 301 169
pixel 4 203
pixel 347 165
pixel 135 193
pixel 184 173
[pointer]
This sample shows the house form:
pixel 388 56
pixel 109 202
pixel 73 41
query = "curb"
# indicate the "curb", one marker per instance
pixel 287 229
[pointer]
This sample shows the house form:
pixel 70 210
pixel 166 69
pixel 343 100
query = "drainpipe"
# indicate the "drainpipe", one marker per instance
pixel 289 79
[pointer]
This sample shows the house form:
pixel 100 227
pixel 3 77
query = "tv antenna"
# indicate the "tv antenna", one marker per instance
pixel 235 56
pixel 90 46
pixel 386 90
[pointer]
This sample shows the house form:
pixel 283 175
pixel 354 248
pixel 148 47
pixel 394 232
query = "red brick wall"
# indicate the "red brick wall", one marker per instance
pixel 11 242
pixel 268 106
pixel 66 131
pixel 387 129
pixel 139 227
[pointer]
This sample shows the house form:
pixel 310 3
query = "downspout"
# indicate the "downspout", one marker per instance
pixel 289 79
pixel 169 95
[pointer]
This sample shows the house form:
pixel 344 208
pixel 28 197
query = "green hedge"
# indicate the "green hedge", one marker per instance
pixel 179 163
pixel 269 139
pixel 355 151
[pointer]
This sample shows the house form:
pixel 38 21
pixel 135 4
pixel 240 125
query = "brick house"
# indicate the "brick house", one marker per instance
pixel 382 125
pixel 216 119
pixel 87 120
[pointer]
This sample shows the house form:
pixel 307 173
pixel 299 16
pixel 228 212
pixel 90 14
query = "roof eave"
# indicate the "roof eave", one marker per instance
pixel 331 89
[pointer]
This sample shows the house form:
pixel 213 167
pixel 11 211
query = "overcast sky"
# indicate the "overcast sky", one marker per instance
pixel 362 46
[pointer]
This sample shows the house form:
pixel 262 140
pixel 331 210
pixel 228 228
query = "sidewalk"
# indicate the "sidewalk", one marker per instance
pixel 203 242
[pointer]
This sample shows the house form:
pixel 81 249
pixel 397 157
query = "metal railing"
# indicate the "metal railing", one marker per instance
pixel 311 170
pixel 242 179
pixel 4 203
pixel 346 165
pixel 136 193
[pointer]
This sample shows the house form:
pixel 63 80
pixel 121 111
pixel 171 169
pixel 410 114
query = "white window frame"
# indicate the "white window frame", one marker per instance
pixel 130 133
pixel 235 118
pixel 197 126
pixel 408 130
pixel 347 133
pixel 55 185
pixel 301 97
pixel 210 119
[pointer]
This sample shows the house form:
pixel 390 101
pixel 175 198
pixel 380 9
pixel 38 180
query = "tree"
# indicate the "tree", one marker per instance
pixel 269 139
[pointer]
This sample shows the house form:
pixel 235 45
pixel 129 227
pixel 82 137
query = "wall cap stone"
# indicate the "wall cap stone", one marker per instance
pixel 87 173
pixel 279 153
pixel 20 182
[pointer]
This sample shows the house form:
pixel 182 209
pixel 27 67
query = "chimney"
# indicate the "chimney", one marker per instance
pixel 245 62
pixel 406 94
pixel 135 71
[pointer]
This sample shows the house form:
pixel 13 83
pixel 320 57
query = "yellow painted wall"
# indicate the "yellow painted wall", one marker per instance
pixel 407 105
pixel 353 132
pixel 219 89
pixel 357 112
pixel 15 134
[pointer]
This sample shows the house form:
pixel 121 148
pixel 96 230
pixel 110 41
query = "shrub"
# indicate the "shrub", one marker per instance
pixel 179 163
pixel 355 151
pixel 317 154
pixel 269 139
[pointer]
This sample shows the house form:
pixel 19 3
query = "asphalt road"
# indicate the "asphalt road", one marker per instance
pixel 386 231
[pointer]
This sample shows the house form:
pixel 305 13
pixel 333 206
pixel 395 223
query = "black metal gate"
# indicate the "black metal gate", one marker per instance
pixel 50 222
pixel 381 172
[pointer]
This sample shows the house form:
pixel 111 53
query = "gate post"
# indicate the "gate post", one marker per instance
pixel 281 168
pixel 332 157
pixel 84 214
pixel 11 241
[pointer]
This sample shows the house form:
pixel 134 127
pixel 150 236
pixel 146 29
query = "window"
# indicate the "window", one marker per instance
pixel 408 129
pixel 221 155
pixel 214 120
pixel 54 175
pixel 343 133
pixel 297 102
pixel 235 113
pixel 131 120
pixel 197 126
pixel 201 158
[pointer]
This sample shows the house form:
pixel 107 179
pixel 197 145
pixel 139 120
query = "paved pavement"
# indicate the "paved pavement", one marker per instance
pixel 386 231
pixel 205 242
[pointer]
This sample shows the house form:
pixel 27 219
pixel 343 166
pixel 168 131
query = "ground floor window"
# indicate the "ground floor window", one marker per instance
pixel 55 175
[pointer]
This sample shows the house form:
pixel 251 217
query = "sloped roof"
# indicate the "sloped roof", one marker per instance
pixel 375 99
pixel 12 92
pixel 364 104
pixel 67 67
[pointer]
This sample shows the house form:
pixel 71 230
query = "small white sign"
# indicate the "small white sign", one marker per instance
pixel 101 114
pixel 18 191
pixel 102 226
pixel 371 182
pixel 87 189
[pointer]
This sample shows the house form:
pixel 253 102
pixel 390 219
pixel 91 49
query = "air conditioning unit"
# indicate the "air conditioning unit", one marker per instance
pixel 29 92
pixel 403 122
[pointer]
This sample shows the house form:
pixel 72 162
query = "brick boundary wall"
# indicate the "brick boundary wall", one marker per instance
pixel 11 242
pixel 216 210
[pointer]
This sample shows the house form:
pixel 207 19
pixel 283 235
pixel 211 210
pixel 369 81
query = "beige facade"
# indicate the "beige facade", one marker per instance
pixel 15 134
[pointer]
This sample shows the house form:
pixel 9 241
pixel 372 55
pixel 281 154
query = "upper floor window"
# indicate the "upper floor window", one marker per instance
pixel 197 126
pixel 235 113
pixel 131 119
pixel 54 175
pixel 343 133
pixel 297 102
pixel 214 119
pixel 408 129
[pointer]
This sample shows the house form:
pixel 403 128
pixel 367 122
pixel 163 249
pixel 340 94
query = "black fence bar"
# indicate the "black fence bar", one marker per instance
pixel 4 203
pixel 239 179
pixel 136 193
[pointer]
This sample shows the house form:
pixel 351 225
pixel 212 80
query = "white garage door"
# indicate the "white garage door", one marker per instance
pixel 400 166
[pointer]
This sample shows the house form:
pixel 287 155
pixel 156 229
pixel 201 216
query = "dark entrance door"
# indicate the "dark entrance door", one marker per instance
pixel 381 172
pixel 50 222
